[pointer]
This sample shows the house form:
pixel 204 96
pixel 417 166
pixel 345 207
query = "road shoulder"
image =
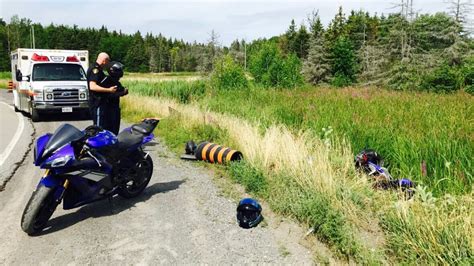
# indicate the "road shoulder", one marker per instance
pixel 21 148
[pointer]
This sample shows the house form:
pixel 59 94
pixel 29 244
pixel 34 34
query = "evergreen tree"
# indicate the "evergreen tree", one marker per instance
pixel 136 60
pixel 315 26
pixel 289 42
pixel 343 62
pixel 301 43
pixel 373 64
pixel 316 67
pixel 357 28
pixel 337 28
pixel 4 52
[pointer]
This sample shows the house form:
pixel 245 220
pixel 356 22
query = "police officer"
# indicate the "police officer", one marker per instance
pixel 97 93
pixel 115 71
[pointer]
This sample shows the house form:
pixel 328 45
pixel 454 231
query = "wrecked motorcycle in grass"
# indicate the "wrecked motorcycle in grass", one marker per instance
pixel 370 162
pixel 86 166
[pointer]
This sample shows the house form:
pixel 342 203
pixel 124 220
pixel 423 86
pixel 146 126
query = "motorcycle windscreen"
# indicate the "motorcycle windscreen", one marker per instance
pixel 62 136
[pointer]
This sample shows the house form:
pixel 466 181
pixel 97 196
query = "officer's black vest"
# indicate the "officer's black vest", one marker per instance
pixel 96 98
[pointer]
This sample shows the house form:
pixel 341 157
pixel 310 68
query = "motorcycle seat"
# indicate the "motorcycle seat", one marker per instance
pixel 143 128
pixel 128 139
pixel 146 127
pixel 138 128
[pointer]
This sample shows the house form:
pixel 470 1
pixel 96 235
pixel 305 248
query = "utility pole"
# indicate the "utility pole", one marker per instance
pixel 32 37
pixel 34 42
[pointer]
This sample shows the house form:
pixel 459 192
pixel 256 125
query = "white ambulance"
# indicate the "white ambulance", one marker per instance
pixel 46 81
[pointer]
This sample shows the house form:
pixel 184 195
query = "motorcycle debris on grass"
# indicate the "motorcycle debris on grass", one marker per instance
pixel 370 162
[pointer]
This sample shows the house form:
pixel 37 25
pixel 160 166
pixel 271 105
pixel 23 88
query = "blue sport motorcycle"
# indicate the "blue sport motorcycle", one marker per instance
pixel 86 166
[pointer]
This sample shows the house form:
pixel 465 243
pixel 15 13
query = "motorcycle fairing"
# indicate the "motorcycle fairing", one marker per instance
pixel 82 190
pixel 39 148
pixel 102 139
pixel 66 152
pixel 65 134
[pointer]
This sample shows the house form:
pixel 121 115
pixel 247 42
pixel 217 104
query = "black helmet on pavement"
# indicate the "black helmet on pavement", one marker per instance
pixel 249 213
pixel 115 70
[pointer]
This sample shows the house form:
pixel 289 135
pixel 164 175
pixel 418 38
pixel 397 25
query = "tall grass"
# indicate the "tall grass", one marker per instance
pixel 5 75
pixel 4 78
pixel 160 77
pixel 180 90
pixel 423 136
pixel 434 230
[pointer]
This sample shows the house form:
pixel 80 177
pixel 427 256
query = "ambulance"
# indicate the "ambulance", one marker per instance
pixel 49 81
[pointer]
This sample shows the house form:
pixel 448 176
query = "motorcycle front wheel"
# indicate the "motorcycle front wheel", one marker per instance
pixel 38 210
pixel 142 174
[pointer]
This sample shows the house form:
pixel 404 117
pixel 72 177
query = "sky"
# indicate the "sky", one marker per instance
pixel 193 20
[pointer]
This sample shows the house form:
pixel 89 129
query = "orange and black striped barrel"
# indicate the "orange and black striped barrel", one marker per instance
pixel 10 85
pixel 215 153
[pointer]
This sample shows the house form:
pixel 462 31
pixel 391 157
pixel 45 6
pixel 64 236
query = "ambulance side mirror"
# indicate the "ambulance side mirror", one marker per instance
pixel 25 78
pixel 19 76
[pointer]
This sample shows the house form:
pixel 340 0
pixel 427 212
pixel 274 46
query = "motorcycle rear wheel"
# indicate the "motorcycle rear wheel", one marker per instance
pixel 38 210
pixel 135 187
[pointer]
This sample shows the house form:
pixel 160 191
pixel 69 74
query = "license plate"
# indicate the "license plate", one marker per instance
pixel 66 109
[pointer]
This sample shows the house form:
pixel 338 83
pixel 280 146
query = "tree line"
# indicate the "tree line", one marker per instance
pixel 140 53
pixel 403 50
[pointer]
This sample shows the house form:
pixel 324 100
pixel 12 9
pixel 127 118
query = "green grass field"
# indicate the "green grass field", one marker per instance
pixel 413 131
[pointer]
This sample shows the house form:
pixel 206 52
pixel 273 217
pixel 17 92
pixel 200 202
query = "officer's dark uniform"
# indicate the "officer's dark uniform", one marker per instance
pixel 98 100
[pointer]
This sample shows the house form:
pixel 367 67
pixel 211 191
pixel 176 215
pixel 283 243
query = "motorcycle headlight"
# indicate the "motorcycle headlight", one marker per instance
pixel 61 161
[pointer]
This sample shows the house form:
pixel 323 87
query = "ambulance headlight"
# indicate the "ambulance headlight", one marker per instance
pixel 38 95
pixel 82 94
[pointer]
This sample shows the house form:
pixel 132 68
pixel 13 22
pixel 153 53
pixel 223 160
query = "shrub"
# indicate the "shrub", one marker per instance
pixel 442 79
pixel 228 75
pixel 340 80
pixel 271 69
pixel 467 74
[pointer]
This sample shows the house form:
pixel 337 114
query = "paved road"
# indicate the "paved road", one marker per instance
pixel 181 219
pixel 15 138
